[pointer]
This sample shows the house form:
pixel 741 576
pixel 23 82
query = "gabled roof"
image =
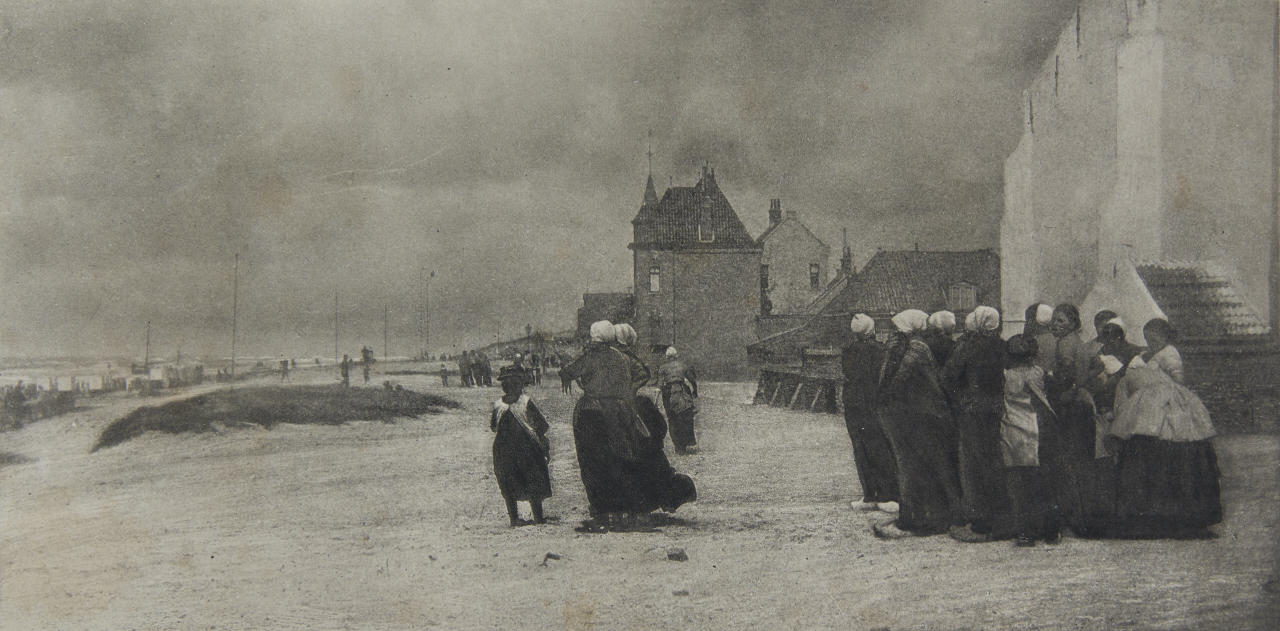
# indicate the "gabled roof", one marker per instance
pixel 671 223
pixel 910 279
pixel 836 287
pixel 792 220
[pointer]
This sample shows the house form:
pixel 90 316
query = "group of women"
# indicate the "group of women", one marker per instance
pixel 619 434
pixel 986 438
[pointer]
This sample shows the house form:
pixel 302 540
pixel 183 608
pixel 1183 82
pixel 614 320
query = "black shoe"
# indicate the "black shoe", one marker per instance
pixel 1053 538
pixel 1023 541
pixel 591 526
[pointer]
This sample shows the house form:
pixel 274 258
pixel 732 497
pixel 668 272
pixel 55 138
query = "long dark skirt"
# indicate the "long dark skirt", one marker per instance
pixel 625 478
pixel 924 448
pixel 986 496
pixel 1087 490
pixel 1165 488
pixel 1034 513
pixel 520 465
pixel 600 462
pixel 872 454
pixel 661 487
pixel 1037 494
pixel 682 435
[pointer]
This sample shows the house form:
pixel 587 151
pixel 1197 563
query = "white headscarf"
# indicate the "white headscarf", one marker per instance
pixel 1044 314
pixel 1116 321
pixel 911 321
pixel 602 332
pixel 971 321
pixel 862 324
pixel 944 321
pixel 986 318
pixel 671 352
pixel 625 334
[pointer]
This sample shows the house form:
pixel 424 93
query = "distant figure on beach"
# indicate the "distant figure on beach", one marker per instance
pixel 366 359
pixel 444 375
pixel 345 369
pixel 284 370
pixel 521 450
pixel 15 403
pixel 485 372
pixel 679 386
pixel 465 369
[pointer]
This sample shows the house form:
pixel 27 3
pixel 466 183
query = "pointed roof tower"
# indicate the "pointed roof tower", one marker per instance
pixel 650 195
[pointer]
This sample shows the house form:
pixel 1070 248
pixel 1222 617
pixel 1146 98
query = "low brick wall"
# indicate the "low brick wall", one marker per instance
pixel 1239 383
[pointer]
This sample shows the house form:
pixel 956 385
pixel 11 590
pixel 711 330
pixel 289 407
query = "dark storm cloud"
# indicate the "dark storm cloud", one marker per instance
pixel 343 148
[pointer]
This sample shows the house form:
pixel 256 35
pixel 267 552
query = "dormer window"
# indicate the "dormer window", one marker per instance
pixel 655 278
pixel 962 296
pixel 815 275
pixel 706 231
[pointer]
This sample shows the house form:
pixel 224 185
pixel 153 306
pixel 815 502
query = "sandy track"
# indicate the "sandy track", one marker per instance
pixel 399 525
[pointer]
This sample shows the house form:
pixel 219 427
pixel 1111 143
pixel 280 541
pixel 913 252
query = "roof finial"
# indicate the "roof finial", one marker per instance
pixel 650 152
pixel 650 195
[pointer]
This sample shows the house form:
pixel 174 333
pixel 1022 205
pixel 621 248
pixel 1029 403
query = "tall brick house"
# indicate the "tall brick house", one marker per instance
pixel 696 277
pixel 793 263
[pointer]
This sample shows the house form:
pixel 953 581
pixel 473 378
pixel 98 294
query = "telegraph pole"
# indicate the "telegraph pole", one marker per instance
pixel 385 352
pixel 235 308
pixel 426 310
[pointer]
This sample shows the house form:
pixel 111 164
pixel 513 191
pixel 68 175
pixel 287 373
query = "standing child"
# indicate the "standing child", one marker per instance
pixel 1028 435
pixel 520 449
pixel 444 375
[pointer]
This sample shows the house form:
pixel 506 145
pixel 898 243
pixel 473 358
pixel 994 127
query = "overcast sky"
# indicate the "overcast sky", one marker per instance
pixel 344 147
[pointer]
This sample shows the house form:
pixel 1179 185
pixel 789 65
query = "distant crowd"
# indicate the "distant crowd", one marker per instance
pixel 967 433
pixel 475 368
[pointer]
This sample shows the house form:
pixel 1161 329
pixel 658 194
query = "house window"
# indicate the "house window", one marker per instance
pixel 764 278
pixel 706 230
pixel 655 278
pixel 962 296
pixel 815 273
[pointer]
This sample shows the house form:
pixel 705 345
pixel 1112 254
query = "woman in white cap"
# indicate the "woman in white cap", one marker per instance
pixel 872 454
pixel 919 426
pixel 974 380
pixel 938 335
pixel 621 472
pixel 679 386
pixel 606 430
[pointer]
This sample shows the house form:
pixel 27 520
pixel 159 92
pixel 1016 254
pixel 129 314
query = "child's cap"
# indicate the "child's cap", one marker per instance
pixel 511 373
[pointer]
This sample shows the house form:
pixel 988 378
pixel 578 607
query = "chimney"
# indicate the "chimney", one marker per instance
pixel 775 212
pixel 709 186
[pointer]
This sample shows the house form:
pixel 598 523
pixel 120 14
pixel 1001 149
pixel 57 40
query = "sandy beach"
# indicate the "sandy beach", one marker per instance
pixel 399 525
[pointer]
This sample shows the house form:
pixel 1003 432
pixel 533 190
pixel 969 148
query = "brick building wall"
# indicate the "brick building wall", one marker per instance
pixel 705 304
pixel 1237 384
pixel 790 250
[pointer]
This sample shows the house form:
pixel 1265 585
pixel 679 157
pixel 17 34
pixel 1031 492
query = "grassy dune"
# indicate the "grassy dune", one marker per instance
pixel 269 405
